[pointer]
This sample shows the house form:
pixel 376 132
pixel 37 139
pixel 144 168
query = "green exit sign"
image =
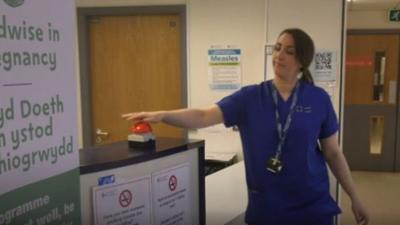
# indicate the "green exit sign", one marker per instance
pixel 394 15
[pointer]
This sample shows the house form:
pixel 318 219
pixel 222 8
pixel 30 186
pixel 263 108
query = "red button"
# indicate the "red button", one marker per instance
pixel 141 128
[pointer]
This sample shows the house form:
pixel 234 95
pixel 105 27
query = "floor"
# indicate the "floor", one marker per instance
pixel 381 195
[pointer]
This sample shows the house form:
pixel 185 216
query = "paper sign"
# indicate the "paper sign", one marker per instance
pixel 172 201
pixel 224 69
pixel 324 66
pixel 123 203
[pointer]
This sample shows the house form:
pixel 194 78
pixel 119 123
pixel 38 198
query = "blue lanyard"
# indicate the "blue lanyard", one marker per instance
pixel 283 131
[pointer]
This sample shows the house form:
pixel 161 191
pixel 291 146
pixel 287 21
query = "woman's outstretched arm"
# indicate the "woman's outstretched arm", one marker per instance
pixel 186 118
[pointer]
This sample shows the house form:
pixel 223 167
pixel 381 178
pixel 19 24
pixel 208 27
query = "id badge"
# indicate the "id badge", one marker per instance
pixel 274 165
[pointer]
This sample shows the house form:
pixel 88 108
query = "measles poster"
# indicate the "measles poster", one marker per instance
pixel 224 68
pixel 39 159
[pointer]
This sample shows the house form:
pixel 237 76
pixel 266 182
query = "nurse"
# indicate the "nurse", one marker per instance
pixel 289 131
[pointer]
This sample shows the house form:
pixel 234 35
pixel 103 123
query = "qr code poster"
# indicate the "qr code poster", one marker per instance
pixel 324 66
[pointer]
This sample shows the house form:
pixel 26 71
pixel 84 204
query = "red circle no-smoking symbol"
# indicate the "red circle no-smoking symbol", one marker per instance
pixel 125 198
pixel 173 183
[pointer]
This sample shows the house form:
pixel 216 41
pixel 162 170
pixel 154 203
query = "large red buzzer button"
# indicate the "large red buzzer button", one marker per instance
pixel 141 128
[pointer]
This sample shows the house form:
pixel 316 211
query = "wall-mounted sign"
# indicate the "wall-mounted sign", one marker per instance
pixel 324 66
pixel 224 69
pixel 269 49
pixel 359 61
pixel 394 15
pixel 172 196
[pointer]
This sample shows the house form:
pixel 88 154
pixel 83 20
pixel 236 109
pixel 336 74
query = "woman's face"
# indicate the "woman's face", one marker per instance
pixel 284 59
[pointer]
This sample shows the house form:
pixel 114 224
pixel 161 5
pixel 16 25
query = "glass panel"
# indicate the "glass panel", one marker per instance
pixel 379 76
pixel 392 92
pixel 376 129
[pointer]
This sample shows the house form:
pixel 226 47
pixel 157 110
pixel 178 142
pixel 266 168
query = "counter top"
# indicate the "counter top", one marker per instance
pixel 118 154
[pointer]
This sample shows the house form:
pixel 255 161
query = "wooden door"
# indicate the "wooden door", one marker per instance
pixel 135 65
pixel 372 64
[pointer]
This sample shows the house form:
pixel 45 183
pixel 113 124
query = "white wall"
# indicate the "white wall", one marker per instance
pixel 324 26
pixel 223 22
pixel 111 3
pixel 370 20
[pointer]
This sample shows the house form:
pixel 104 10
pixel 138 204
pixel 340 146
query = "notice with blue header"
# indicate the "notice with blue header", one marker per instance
pixel 224 69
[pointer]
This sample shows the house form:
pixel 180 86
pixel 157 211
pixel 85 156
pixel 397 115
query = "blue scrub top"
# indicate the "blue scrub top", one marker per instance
pixel 299 194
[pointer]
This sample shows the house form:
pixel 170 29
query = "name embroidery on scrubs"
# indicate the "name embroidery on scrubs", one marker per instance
pixel 303 109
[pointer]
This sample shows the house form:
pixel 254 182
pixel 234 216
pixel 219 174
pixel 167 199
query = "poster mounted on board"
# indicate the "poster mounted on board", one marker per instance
pixel 324 66
pixel 39 159
pixel 224 68
pixel 125 202
pixel 172 201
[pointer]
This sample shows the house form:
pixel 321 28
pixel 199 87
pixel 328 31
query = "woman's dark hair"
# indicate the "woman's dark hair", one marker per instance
pixel 304 47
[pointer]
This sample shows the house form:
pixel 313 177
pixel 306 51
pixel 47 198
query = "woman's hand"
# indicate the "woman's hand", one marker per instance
pixel 359 211
pixel 151 117
pixel 340 169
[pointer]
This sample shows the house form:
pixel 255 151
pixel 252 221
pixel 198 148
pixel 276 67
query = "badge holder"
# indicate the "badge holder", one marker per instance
pixel 274 165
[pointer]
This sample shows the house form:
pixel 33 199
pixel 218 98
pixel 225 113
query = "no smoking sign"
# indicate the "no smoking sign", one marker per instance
pixel 173 182
pixel 125 198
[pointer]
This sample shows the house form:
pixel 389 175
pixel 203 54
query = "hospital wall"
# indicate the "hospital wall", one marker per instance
pixel 370 19
pixel 247 25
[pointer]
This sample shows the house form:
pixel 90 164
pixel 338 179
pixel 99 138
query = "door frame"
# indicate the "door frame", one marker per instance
pixel 83 15
pixel 396 165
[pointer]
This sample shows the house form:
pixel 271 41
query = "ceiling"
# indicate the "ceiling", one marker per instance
pixel 372 4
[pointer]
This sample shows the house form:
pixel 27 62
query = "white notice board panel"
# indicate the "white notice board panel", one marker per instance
pixel 324 66
pixel 183 165
pixel 224 69
pixel 123 203
pixel 172 196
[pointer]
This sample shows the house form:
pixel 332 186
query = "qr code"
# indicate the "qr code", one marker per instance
pixel 323 60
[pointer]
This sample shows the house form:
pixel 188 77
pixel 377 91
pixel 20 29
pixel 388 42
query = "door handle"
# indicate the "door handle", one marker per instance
pixel 99 132
pixel 100 135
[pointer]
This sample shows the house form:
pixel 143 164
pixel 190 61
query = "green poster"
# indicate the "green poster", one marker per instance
pixel 39 158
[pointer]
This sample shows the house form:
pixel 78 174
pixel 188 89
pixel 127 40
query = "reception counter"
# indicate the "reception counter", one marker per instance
pixel 162 185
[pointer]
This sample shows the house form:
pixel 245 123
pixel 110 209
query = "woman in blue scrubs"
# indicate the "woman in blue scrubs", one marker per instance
pixel 283 123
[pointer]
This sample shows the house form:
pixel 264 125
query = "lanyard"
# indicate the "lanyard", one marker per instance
pixel 282 131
